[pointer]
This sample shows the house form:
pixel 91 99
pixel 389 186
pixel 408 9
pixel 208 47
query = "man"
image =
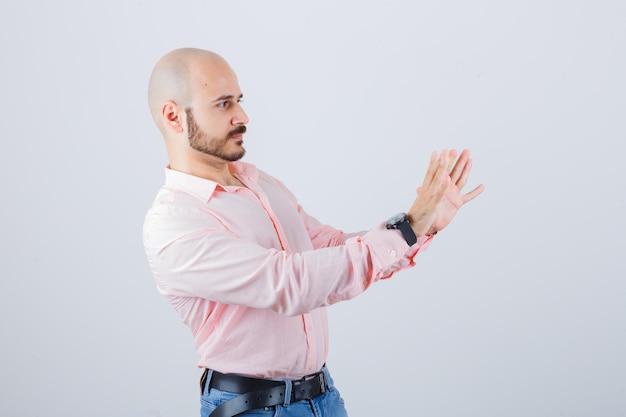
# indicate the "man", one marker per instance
pixel 248 270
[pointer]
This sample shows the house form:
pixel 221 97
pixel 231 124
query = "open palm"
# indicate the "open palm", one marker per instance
pixel 440 196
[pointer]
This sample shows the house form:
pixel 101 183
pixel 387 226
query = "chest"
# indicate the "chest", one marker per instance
pixel 267 216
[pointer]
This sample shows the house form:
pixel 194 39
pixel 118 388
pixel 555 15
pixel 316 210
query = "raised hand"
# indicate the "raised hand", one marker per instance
pixel 439 198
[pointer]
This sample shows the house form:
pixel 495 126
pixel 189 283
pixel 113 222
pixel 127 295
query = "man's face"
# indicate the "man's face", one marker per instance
pixel 228 147
pixel 215 120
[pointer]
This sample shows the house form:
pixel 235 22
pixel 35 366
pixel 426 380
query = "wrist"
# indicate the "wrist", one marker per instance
pixel 419 226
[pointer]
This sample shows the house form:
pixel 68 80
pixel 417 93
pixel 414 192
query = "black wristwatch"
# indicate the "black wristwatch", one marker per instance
pixel 401 222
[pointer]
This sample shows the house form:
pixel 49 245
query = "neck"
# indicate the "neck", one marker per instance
pixel 213 169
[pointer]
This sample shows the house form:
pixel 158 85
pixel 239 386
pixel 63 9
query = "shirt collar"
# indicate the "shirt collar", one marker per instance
pixel 202 188
pixel 245 170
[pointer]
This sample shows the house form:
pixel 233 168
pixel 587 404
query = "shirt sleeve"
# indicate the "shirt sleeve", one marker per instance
pixel 193 257
pixel 321 235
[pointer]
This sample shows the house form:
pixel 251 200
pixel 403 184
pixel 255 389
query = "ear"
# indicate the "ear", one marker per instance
pixel 172 118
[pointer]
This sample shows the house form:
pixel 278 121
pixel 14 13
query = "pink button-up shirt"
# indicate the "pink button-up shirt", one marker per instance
pixel 249 271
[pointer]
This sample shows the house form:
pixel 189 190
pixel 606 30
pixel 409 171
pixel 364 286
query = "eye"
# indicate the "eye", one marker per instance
pixel 223 104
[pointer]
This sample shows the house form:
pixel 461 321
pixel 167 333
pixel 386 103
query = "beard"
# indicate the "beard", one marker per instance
pixel 200 141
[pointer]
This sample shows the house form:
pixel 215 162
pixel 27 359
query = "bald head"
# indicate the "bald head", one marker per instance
pixel 174 77
pixel 195 100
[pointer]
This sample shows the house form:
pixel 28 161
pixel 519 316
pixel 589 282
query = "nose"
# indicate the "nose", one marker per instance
pixel 240 117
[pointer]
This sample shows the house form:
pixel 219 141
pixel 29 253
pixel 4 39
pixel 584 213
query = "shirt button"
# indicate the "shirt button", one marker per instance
pixel 392 253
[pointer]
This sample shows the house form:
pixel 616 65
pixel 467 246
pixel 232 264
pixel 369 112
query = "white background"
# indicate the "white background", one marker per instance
pixel 517 309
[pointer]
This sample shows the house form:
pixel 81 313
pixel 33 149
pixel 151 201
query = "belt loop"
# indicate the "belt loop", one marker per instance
pixel 327 380
pixel 207 382
pixel 288 387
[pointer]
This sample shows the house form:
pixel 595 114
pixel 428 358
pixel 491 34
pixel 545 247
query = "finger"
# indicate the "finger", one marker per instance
pixel 451 159
pixel 441 177
pixel 444 163
pixel 462 180
pixel 459 167
pixel 432 168
pixel 473 194
pixel 436 181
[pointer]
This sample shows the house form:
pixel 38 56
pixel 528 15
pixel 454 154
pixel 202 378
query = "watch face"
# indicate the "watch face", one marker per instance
pixel 398 218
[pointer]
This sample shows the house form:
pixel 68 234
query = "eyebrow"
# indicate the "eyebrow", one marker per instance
pixel 227 97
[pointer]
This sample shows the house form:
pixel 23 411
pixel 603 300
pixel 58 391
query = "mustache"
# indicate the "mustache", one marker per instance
pixel 239 130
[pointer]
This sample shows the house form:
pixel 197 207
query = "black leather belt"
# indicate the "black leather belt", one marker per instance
pixel 258 393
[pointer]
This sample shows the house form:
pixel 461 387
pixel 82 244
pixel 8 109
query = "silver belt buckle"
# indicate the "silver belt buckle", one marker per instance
pixel 322 383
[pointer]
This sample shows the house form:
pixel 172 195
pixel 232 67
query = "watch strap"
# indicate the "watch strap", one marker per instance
pixel 407 232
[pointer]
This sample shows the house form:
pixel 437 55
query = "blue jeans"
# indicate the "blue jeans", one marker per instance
pixel 329 404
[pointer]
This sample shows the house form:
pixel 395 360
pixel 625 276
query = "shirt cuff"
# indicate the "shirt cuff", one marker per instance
pixel 390 251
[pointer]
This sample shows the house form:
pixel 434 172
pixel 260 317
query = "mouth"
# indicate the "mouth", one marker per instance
pixel 237 133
